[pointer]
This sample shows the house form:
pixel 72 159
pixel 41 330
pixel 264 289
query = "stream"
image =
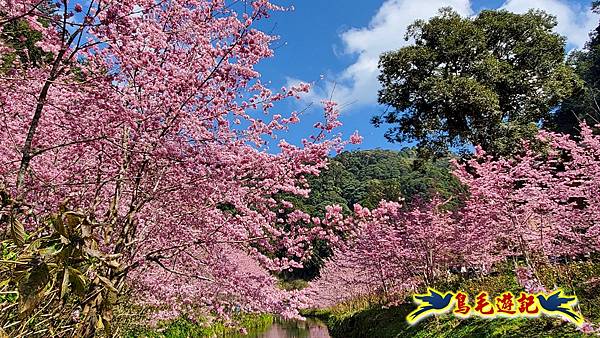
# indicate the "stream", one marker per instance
pixel 310 328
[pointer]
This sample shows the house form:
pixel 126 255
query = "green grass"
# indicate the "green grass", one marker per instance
pixel 390 322
pixel 183 328
pixel 369 319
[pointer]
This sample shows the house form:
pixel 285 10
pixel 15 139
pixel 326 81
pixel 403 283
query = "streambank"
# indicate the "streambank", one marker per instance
pixel 250 326
pixel 390 322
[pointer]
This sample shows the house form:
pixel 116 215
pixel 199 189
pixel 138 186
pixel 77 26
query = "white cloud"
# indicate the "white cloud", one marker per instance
pixel 358 84
pixel 575 20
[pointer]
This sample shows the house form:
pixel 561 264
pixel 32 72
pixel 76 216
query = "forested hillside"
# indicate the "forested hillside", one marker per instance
pixel 367 177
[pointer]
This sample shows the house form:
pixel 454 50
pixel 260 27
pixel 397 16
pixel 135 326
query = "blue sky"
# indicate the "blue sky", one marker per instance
pixel 341 40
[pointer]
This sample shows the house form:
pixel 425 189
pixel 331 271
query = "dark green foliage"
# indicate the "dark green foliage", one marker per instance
pixel 367 177
pixel 584 104
pixel 19 36
pixel 488 80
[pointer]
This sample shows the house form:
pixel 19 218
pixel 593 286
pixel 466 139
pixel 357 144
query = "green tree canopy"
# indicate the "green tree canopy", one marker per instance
pixel 489 80
pixel 584 104
pixel 367 177
pixel 21 39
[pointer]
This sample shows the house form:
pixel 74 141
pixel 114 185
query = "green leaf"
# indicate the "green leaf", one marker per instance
pixel 108 284
pixel 30 302
pixel 50 251
pixel 36 278
pixel 99 324
pixel 64 288
pixel 59 226
pixel 32 285
pixel 78 280
pixel 4 283
pixel 18 232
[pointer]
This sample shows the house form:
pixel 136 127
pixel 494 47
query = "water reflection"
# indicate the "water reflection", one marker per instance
pixel 310 328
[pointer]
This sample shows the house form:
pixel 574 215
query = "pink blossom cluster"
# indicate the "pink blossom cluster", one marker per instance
pixel 391 251
pixel 152 119
pixel 232 282
pixel 526 278
pixel 539 208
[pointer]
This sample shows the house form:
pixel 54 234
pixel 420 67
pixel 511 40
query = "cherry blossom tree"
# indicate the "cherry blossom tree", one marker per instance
pixel 393 250
pixel 149 119
pixel 541 205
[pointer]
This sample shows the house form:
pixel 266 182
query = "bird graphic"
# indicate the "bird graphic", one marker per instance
pixel 557 303
pixel 432 302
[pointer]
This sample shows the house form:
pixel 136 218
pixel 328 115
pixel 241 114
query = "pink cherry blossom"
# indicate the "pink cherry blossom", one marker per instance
pixel 538 208
pixel 153 120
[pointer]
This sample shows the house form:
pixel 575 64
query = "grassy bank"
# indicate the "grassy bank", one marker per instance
pixel 370 319
pixel 390 322
pixel 183 328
